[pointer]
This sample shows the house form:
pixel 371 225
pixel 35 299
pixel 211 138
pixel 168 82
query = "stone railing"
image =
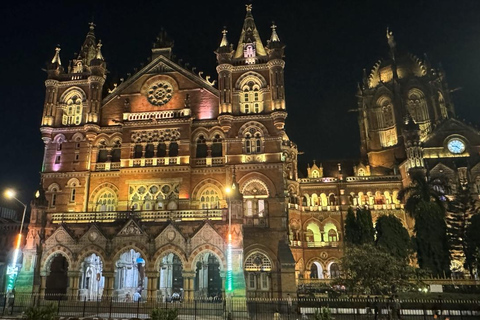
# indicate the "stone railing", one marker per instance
pixel 153 162
pixel 146 216
pixel 209 162
pixel 107 166
pixel 156 115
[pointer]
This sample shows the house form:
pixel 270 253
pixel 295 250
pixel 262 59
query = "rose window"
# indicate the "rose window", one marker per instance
pixel 160 93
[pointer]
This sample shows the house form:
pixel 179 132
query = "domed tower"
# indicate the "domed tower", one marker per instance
pixel 399 87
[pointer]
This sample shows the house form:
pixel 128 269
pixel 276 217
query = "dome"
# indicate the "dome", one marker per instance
pixel 407 65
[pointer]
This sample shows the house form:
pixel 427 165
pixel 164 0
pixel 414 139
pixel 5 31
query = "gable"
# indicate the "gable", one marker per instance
pixel 205 235
pixel 60 236
pixel 170 235
pixel 437 138
pixel 131 229
pixel 93 235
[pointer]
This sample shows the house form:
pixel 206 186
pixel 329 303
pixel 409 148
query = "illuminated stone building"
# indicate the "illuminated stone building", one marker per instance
pixel 134 177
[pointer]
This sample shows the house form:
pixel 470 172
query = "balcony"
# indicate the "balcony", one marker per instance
pixel 145 216
pixel 209 162
pixel 321 244
pixel 153 162
pixel 107 166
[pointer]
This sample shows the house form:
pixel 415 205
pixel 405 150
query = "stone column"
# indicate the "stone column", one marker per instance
pixel 43 282
pixel 152 288
pixel 73 277
pixel 109 282
pixel 188 289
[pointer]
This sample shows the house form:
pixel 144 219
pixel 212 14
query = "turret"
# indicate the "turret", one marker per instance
pixel 413 147
pixel 162 46
pixel 224 69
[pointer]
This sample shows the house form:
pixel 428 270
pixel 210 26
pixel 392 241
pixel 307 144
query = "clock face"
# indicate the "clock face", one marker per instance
pixel 456 146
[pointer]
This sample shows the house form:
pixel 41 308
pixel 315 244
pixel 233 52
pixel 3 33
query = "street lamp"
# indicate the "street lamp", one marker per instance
pixel 10 194
pixel 229 243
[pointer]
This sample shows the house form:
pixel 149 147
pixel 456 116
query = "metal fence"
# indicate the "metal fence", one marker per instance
pixel 255 309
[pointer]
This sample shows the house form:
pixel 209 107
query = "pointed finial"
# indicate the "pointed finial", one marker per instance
pixel 390 39
pixel 56 57
pixel 224 42
pixel 274 37
pixel 92 26
pixel 248 7
pixel 99 55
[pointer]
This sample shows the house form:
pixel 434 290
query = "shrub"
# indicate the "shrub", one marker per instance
pixel 323 314
pixel 164 314
pixel 47 312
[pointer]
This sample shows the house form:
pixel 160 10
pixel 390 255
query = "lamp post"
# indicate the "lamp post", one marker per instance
pixel 229 244
pixel 10 194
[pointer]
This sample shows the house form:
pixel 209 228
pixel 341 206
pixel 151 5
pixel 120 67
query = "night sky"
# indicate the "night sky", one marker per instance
pixel 328 44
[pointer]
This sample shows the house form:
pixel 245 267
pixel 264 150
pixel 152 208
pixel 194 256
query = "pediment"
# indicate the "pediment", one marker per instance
pixel 170 235
pixel 93 235
pixel 60 236
pixel 163 65
pixel 207 235
pixel 441 169
pixel 131 229
pixel 451 127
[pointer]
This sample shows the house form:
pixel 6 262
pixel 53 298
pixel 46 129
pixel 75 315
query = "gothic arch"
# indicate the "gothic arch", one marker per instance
pixel 262 249
pixel 311 220
pixel 100 188
pixel 72 183
pixel 209 182
pixel 77 137
pixel 332 221
pixel 102 140
pixel 257 176
pixel 52 252
pixel 87 251
pixel 319 260
pixel 59 138
pixel 72 91
pixel 124 247
pixel 192 259
pixel 52 186
pixel 214 131
pixel 255 77
pixel 253 124
pixel 199 131
pixel 164 250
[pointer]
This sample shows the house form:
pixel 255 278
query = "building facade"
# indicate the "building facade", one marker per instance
pixel 135 179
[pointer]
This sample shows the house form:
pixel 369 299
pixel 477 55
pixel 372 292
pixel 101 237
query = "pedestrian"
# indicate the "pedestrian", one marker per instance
pixel 136 296
pixel 376 307
pixel 127 297
pixel 289 303
pixel 368 307
pixel 398 307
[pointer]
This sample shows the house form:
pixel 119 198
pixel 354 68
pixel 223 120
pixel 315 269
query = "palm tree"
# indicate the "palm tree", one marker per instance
pixel 425 201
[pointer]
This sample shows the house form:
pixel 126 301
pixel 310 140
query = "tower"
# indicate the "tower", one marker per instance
pixel 396 87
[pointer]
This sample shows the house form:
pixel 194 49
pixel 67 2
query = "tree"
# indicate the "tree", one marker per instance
pixel 393 237
pixel 472 251
pixel 370 269
pixel 351 228
pixel 359 227
pixel 365 226
pixel 460 211
pixel 426 203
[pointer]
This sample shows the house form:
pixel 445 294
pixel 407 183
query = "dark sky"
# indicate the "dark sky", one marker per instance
pixel 328 43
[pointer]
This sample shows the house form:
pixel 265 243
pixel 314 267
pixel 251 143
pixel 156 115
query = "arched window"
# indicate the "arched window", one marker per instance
pixel 161 150
pixel 384 122
pixel 417 105
pixel 258 267
pixel 102 152
pixel 72 109
pixel 116 151
pixel 217 146
pixel 251 98
pixel 137 151
pixel 53 199
pixel 173 149
pixel 315 174
pixel 107 200
pixel 334 270
pixel 255 193
pixel 253 141
pixel 149 150
pixel 201 147
pixel 209 199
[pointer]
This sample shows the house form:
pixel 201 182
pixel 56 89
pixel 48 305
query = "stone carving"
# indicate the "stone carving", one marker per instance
pixel 130 230
pixel 160 93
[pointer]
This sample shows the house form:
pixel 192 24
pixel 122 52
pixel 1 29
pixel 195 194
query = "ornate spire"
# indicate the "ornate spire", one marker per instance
pixel 99 55
pixel 249 37
pixel 56 57
pixel 163 45
pixel 88 51
pixel 224 42
pixel 274 37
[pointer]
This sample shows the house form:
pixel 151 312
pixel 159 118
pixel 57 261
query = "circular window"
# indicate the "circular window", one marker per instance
pixel 456 146
pixel 160 93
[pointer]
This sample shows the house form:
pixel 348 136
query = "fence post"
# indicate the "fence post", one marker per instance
pixel 138 306
pixel 58 305
pixel 4 304
pixel 195 309
pixel 110 311
pixel 84 306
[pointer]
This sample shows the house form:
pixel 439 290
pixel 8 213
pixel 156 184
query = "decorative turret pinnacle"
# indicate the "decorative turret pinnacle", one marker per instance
pixel 88 51
pixel 225 51
pixel 275 47
pixel 56 57
pixel 250 45
pixel 99 55
pixel 163 45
